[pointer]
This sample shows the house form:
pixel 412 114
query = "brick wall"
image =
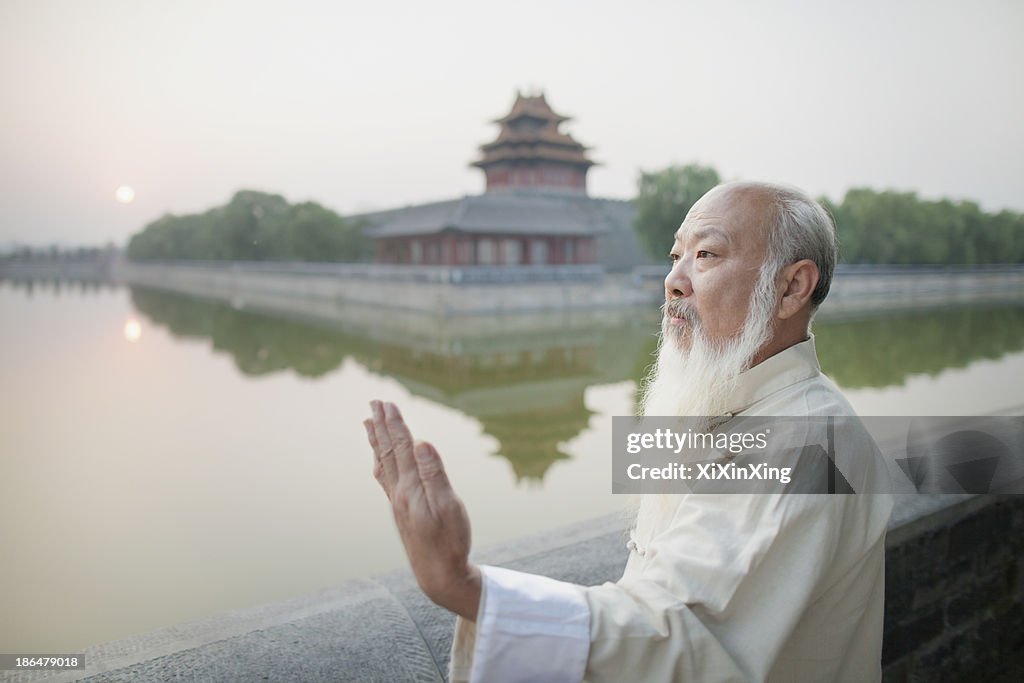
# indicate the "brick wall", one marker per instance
pixel 954 600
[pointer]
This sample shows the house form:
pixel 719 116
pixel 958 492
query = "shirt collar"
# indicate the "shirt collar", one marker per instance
pixel 789 366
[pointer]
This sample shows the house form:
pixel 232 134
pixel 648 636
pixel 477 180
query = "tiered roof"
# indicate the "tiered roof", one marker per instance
pixel 525 213
pixel 529 133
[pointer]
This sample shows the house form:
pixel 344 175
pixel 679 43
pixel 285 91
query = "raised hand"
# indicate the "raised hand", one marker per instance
pixel 431 519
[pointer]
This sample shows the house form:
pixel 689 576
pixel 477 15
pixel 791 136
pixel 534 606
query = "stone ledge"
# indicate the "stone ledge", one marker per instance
pixel 385 629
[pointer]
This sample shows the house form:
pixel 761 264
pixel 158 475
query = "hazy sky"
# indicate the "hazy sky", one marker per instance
pixel 363 105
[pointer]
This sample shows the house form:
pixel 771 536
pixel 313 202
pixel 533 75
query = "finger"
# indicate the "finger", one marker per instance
pixel 401 443
pixel 385 451
pixel 371 436
pixel 378 474
pixel 432 475
pixel 378 468
pixel 375 447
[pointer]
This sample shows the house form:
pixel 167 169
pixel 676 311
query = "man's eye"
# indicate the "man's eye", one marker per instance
pixel 673 257
pixel 703 253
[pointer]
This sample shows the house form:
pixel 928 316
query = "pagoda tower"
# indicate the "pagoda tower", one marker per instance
pixel 531 153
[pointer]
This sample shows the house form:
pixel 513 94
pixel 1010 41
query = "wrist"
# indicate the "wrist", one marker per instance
pixel 463 595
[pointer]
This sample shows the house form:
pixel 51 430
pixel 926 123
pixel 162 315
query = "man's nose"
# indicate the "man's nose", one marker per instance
pixel 677 283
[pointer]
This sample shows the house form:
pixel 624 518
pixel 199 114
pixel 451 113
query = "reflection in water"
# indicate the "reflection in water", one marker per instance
pixel 55 286
pixel 530 439
pixel 883 351
pixel 529 400
pixel 527 388
pixel 258 344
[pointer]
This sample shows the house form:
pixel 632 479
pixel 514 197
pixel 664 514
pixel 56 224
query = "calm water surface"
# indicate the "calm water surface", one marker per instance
pixel 167 458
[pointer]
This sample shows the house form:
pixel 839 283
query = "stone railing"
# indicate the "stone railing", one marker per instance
pixel 954 608
pixel 453 275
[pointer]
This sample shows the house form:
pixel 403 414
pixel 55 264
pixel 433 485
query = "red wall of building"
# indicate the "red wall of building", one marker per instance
pixel 467 249
pixel 555 176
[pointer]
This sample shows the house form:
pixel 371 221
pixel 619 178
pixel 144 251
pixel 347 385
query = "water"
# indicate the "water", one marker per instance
pixel 167 458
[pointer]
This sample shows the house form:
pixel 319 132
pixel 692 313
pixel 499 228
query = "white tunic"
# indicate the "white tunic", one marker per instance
pixel 738 587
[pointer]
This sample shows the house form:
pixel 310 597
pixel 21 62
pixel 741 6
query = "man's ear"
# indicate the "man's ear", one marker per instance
pixel 798 282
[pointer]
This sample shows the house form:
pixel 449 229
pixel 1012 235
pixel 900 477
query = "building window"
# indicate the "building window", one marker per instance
pixel 434 252
pixel 464 252
pixel 486 252
pixel 569 251
pixel 416 251
pixel 538 252
pixel 511 252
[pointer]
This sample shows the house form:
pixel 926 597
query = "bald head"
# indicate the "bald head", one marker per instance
pixel 750 251
pixel 747 204
pixel 784 221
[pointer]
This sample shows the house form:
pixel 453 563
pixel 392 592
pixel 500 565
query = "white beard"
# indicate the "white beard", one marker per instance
pixel 698 382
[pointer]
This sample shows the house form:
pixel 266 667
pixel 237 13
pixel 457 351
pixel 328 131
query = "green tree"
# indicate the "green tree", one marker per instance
pixel 248 224
pixel 899 228
pixel 314 233
pixel 663 198
pixel 253 226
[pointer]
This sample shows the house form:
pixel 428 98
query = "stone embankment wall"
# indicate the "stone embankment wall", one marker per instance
pixel 955 590
pixel 475 290
pixel 423 289
pixel 864 288
pixel 954 609
pixel 440 290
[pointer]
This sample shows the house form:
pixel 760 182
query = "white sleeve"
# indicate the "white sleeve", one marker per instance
pixel 529 628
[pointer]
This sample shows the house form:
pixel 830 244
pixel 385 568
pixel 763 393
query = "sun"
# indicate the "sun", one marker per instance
pixel 125 194
pixel 132 330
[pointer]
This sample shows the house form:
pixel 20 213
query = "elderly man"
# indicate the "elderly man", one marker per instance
pixel 717 587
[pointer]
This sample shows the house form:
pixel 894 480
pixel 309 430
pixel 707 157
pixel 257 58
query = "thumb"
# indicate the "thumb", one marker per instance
pixel 431 471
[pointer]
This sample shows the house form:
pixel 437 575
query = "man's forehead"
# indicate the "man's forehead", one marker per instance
pixel 729 215
pixel 698 232
pixel 710 219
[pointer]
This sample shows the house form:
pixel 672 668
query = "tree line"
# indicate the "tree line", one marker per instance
pixel 56 253
pixel 874 227
pixel 253 226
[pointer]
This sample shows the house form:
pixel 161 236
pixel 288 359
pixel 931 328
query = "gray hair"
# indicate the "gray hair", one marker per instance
pixel 799 228
pixel 802 229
